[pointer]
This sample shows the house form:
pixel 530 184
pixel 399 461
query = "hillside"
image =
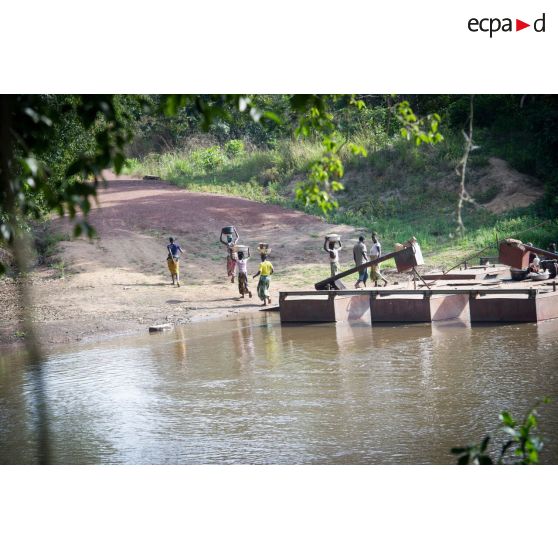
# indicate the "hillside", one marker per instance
pixel 239 171
pixel 398 190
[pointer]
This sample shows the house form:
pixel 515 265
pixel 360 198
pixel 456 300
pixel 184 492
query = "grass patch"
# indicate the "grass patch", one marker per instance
pixel 398 191
pixel 60 266
pixel 46 242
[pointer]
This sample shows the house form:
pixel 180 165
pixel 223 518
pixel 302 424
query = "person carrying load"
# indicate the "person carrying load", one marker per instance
pixel 242 264
pixel 330 246
pixel 230 243
pixel 173 263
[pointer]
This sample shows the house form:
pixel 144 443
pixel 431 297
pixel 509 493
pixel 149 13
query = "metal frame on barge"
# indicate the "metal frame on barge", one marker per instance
pixel 498 302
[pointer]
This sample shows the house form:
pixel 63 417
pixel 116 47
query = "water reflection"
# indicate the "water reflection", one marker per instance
pixel 249 390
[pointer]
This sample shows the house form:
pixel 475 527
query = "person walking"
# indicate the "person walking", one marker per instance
pixel 230 243
pixel 265 272
pixel 333 252
pixel 375 253
pixel 361 257
pixel 173 263
pixel 242 264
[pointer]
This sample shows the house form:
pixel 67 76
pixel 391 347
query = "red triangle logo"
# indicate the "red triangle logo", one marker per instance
pixel 519 25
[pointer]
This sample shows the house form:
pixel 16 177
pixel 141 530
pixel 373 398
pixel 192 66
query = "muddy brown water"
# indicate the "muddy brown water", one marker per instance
pixel 251 391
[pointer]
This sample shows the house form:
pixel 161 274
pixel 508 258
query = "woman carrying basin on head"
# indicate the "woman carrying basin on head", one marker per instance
pixel 242 264
pixel 230 243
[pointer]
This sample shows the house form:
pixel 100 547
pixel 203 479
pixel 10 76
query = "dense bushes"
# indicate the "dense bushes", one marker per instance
pixel 397 189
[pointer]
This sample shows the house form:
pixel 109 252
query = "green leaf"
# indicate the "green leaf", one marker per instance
pixel 272 116
pixel 6 231
pixel 255 114
pixel 507 419
pixel 118 162
pixel 531 421
pixel 508 430
pixel 243 103
pixel 534 456
pixel 171 105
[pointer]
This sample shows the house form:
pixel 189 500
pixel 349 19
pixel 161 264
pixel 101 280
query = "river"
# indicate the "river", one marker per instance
pixel 250 391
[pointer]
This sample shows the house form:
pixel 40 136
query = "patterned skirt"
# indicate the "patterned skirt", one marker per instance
pixel 231 266
pixel 263 287
pixel 242 283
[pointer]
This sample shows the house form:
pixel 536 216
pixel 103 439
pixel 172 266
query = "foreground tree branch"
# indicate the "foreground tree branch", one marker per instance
pixel 20 245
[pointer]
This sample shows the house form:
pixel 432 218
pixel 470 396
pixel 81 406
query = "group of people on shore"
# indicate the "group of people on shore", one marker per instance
pixel 237 263
pixel 360 257
pixel 238 257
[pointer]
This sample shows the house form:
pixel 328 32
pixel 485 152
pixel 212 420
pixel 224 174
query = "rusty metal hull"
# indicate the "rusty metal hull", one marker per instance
pixel 533 304
pixel 419 309
pixel 503 308
pixel 325 308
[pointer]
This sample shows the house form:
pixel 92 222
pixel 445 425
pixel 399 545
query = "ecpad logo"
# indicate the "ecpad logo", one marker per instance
pixel 493 25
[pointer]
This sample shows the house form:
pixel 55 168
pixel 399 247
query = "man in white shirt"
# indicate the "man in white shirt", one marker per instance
pixel 375 253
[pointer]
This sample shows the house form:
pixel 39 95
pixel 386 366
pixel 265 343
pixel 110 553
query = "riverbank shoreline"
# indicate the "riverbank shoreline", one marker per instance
pixel 118 283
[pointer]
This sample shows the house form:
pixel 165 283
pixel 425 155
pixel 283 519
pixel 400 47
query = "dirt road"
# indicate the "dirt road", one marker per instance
pixel 119 283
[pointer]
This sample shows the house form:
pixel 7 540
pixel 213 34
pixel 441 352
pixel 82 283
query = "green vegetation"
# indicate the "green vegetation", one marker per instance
pixel 60 267
pixel 46 242
pixel 398 190
pixel 349 154
pixel 522 447
pixel 360 154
